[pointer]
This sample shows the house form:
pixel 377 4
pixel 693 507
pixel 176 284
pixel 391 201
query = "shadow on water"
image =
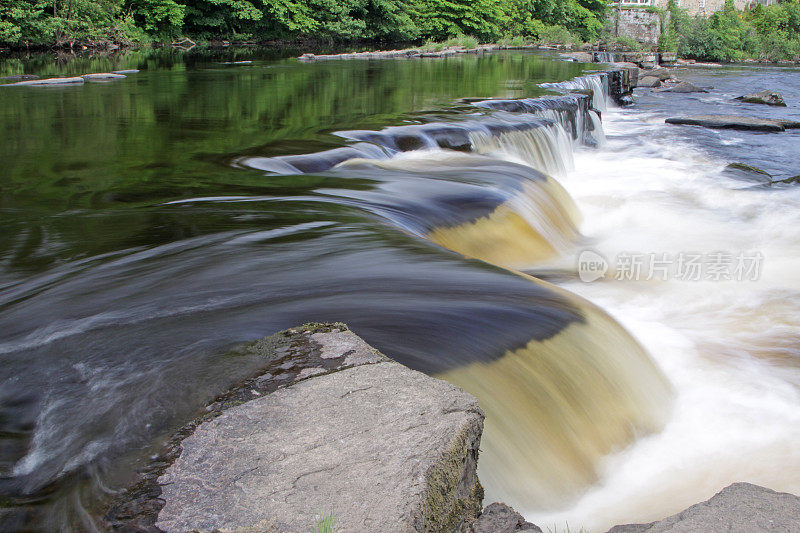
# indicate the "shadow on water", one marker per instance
pixel 150 225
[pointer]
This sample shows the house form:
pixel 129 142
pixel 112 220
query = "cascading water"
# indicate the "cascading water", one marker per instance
pixel 594 84
pixel 570 397
pixel 546 149
pixel 464 202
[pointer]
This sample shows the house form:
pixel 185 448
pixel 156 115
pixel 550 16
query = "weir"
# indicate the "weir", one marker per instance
pixel 483 187
pixel 549 123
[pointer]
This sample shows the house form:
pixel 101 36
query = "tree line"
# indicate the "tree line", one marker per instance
pixel 770 33
pixel 32 22
pixel 765 33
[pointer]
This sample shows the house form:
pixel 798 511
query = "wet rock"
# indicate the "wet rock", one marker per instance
pixel 738 508
pixel 648 61
pixel 649 81
pixel 128 71
pixel 47 81
pixel 662 74
pixel 581 57
pixel 308 372
pixel 500 518
pixel 625 100
pixel 763 97
pixel 747 172
pixel 729 122
pixel 379 446
pixel 685 87
pixel 794 180
pixel 103 76
pixel 668 58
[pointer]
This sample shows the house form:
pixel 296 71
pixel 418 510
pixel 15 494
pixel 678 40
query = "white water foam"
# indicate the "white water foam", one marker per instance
pixel 729 348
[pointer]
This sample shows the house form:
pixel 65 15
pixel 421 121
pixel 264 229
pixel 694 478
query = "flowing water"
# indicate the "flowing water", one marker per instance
pixel 151 224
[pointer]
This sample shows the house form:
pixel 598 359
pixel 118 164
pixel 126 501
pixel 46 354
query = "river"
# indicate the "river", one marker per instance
pixel 151 224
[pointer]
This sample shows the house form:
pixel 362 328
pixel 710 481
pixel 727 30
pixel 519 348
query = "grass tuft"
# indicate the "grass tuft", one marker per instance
pixel 324 524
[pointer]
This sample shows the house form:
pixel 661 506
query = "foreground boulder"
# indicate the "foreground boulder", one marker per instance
pixel 684 87
pixel 735 122
pixel 763 97
pixel 738 508
pixel 375 445
pixel 500 518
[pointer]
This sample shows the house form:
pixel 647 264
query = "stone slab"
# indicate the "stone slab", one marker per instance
pixel 729 122
pixel 379 446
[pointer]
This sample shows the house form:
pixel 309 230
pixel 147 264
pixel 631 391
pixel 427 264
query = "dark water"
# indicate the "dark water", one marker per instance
pixel 135 250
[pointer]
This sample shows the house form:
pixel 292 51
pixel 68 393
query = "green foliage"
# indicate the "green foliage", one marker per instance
pixel 513 41
pixel 547 34
pixel 157 16
pixel 26 22
pixel 442 19
pixel 767 33
pixel 626 43
pixel 582 18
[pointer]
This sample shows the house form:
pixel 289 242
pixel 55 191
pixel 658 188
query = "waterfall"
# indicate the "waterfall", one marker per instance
pixel 547 149
pixel 555 407
pixel 597 128
pixel 481 185
pixel 603 56
pixel 597 85
pixel 534 130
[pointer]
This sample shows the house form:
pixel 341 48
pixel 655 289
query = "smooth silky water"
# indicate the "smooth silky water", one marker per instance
pixel 151 224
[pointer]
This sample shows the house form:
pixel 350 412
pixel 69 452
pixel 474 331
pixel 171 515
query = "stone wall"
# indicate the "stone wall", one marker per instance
pixel 637 24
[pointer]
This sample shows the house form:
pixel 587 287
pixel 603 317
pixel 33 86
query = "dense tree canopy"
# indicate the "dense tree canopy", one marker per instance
pixel 26 22
pixel 769 33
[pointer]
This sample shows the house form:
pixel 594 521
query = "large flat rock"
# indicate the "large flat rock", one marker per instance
pixel 738 508
pixel 379 446
pixel 732 122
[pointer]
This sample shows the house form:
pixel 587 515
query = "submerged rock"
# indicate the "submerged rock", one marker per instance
pixel 763 97
pixel 500 518
pixel 378 446
pixel 730 122
pixel 744 171
pixel 793 180
pixel 47 81
pixel 103 76
pixel 685 87
pixel 738 508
